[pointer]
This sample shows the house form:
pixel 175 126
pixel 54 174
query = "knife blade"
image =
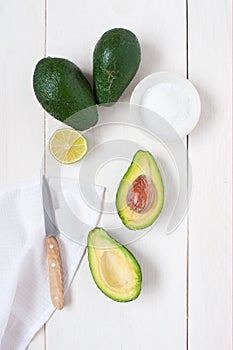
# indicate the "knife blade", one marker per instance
pixel 52 248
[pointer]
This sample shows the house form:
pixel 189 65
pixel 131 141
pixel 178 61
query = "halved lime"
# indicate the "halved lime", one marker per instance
pixel 67 146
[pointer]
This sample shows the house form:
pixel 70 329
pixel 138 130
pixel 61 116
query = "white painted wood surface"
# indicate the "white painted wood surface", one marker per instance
pixel 158 319
pixel 140 324
pixel 210 320
pixel 21 131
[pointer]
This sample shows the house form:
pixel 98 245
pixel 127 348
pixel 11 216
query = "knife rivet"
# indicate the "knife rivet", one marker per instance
pixel 51 246
pixel 55 297
pixel 53 264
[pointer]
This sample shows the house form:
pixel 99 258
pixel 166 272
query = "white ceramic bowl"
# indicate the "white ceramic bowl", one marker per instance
pixel 188 93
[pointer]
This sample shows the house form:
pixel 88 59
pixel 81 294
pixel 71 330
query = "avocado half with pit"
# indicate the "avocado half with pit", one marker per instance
pixel 140 196
pixel 115 270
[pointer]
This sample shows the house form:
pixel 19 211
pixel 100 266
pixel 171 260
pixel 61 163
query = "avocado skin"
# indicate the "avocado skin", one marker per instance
pixel 116 59
pixel 64 92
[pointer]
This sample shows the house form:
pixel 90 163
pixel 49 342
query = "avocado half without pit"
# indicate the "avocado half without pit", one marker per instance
pixel 115 270
pixel 140 196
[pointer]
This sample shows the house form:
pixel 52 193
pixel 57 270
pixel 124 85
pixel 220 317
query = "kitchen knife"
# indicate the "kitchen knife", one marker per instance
pixel 52 247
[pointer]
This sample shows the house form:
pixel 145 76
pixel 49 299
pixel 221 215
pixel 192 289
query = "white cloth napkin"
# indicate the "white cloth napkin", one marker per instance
pixel 25 300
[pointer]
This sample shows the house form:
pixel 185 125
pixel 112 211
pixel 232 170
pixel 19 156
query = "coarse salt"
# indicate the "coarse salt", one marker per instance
pixel 169 101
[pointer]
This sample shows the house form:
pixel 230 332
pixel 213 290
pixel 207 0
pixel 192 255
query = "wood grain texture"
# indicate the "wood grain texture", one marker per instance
pixel 161 308
pixel 55 273
pixel 157 320
pixel 210 286
pixel 21 131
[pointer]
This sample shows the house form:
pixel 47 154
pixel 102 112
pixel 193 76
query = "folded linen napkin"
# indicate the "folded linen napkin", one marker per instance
pixel 25 299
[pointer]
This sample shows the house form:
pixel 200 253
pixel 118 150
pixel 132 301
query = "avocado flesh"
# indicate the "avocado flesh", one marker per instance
pixel 64 92
pixel 114 269
pixel 144 164
pixel 116 59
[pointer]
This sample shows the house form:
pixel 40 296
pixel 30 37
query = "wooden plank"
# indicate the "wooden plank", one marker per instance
pixel 210 151
pixel 158 319
pixel 21 132
pixel 22 37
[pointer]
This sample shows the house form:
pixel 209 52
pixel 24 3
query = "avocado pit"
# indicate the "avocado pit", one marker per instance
pixel 141 194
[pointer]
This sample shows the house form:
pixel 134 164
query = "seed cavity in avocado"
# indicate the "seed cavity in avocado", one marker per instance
pixel 114 269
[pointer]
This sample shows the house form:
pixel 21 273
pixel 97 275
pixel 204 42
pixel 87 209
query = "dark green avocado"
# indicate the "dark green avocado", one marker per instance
pixel 64 92
pixel 116 59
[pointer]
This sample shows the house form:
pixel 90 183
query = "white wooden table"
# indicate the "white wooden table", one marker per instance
pixel 186 302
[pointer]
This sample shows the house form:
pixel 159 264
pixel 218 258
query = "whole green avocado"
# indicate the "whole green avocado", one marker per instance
pixel 64 92
pixel 116 59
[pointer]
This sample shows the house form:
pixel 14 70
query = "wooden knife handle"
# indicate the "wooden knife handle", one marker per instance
pixel 55 273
